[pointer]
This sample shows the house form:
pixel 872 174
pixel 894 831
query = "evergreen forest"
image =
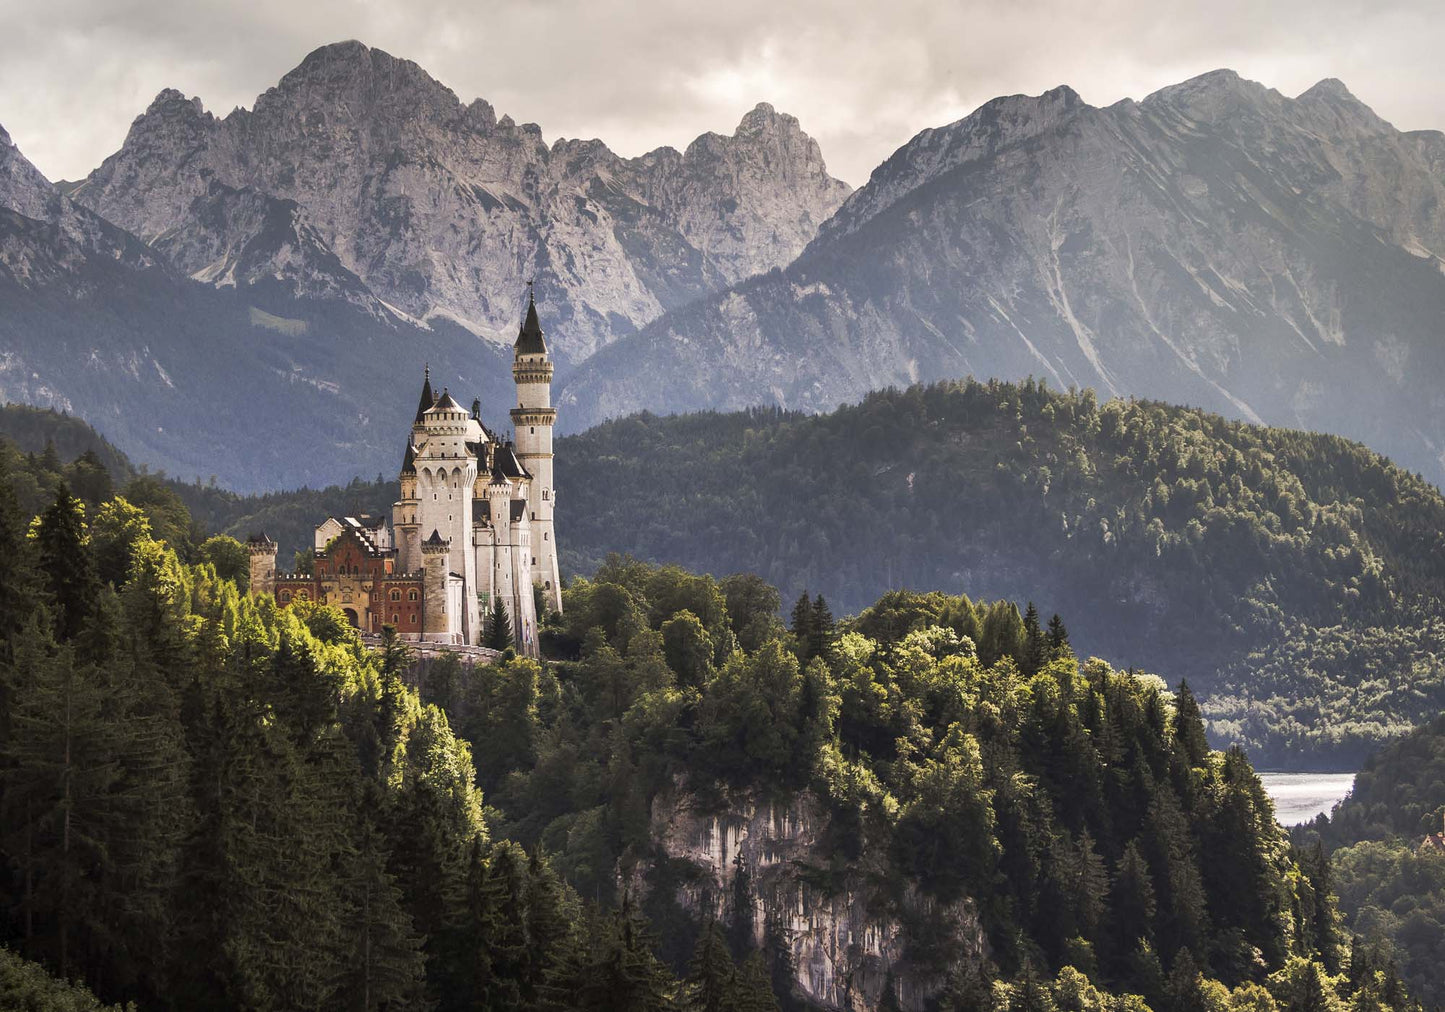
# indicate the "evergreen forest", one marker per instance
pixel 208 801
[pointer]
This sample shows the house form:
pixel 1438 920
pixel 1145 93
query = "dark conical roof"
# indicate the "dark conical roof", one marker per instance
pixel 426 395
pixel 408 462
pixel 529 339
pixel 507 462
pixel 435 539
pixel 446 403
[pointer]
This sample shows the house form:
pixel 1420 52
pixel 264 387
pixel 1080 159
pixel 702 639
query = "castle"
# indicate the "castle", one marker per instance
pixel 473 525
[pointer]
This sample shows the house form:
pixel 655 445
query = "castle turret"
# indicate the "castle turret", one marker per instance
pixel 263 563
pixel 435 555
pixel 533 419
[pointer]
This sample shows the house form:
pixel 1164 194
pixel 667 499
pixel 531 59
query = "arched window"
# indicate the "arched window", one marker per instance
pixel 411 595
pixel 301 595
pixel 395 619
pixel 395 594
pixel 413 618
pixel 285 596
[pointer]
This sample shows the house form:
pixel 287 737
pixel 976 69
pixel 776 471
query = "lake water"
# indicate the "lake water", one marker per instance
pixel 1299 797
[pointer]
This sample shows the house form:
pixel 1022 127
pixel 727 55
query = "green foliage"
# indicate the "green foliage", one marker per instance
pixel 231 559
pixel 498 634
pixel 26 985
pixel 1387 865
pixel 218 803
pixel 1286 575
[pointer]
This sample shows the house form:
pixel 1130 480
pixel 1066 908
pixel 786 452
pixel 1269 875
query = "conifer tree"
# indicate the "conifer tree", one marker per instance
pixel 18 577
pixel 802 626
pixel 709 984
pixel 499 627
pixel 754 992
pixel 1035 653
pixel 1189 726
pixel 1058 637
pixel 821 630
pixel 384 967
pixel 66 569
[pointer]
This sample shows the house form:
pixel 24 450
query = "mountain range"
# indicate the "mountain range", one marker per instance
pixel 250 277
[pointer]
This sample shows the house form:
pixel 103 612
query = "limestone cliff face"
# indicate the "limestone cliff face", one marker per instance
pixel 847 935
pixel 440 208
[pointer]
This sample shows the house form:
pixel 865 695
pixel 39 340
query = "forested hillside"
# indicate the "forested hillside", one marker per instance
pixel 1295 578
pixel 210 802
pixel 1387 840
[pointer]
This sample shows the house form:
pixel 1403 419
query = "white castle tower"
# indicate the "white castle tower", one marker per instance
pixel 444 463
pixel 532 420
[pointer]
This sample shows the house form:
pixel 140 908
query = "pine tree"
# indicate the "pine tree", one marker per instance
pixel 821 630
pixel 384 968
pixel 709 984
pixel 67 571
pixel 1035 653
pixel 753 991
pixel 1058 638
pixel 499 628
pixel 1189 726
pixel 802 626
pixel 1132 900
pixel 18 576
pixel 61 782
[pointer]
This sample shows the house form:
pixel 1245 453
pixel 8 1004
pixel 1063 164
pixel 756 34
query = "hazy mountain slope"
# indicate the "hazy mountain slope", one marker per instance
pixel 252 386
pixel 441 209
pixel 1216 244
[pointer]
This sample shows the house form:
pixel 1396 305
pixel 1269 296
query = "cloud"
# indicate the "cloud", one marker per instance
pixel 862 77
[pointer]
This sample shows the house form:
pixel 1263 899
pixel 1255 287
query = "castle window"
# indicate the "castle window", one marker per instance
pixel 411 596
pixel 546 493
pixel 413 618
pixel 285 596
pixel 395 595
pixel 395 619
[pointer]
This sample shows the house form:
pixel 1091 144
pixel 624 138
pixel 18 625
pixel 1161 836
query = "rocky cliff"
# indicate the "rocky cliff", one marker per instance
pixel 1216 244
pixel 440 208
pixel 848 933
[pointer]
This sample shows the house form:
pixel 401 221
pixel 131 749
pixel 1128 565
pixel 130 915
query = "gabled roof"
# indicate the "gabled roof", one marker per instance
pixel 435 539
pixel 530 340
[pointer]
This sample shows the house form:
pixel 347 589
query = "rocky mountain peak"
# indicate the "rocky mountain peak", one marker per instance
pixel 994 126
pixel 351 83
pixel 1213 97
pixel 1342 110
pixel 23 187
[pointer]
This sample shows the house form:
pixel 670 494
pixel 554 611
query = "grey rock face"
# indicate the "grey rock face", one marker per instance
pixel 848 942
pixel 440 209
pixel 1216 244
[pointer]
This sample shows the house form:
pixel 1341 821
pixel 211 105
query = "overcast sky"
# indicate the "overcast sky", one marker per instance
pixel 862 77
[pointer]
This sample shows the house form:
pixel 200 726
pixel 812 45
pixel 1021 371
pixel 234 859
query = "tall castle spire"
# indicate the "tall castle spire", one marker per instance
pixel 532 421
pixel 427 400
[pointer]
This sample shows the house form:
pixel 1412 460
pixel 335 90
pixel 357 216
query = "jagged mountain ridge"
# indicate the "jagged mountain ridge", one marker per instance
pixel 439 208
pixel 1216 244
pixel 206 381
